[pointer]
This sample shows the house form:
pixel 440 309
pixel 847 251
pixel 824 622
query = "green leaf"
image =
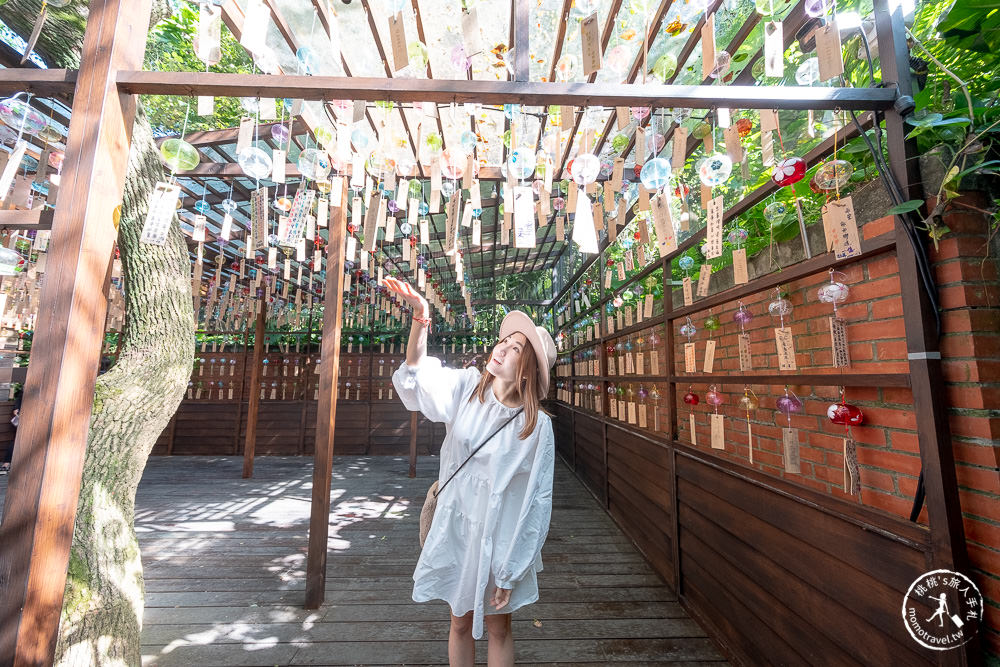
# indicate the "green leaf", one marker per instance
pixel 906 207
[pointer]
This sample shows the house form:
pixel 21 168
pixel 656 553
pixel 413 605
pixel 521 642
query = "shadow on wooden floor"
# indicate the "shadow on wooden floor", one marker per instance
pixel 224 562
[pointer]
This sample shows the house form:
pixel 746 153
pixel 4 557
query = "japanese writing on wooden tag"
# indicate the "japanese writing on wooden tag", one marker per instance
pixel 690 365
pixel 718 432
pixel 838 342
pixel 852 472
pixel 694 432
pixel 631 412
pixel 828 51
pixel 709 356
pixel 686 288
pixel 642 415
pixel 397 37
pixel 746 362
pixel 713 235
pixel 679 154
pixel 786 348
pixel 666 239
pixel 704 277
pixel 740 273
pixel 844 226
pixel 590 40
pixel 790 447
pixel 654 362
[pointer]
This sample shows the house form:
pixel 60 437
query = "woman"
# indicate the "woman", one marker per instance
pixel 483 551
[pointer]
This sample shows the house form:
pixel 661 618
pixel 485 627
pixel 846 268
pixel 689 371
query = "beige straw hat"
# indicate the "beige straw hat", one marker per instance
pixel 517 321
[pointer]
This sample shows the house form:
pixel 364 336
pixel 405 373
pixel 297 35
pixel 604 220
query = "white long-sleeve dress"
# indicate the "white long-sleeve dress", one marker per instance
pixel 493 517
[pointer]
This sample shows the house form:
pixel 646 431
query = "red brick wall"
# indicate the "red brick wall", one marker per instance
pixel 888 452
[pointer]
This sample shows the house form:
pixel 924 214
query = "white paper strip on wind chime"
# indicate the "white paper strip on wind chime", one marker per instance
pixel 390 229
pixel 477 232
pixel 10 169
pixel 227 227
pixel 467 215
pixel 774 49
pixel 206 105
pixel 524 218
pixel 300 250
pixel 198 228
pixel 245 134
pixel 162 205
pixel 584 234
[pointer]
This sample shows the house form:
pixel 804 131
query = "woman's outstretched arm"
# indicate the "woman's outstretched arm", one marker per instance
pixel 416 346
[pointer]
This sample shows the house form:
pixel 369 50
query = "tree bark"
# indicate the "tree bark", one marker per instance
pixel 102 608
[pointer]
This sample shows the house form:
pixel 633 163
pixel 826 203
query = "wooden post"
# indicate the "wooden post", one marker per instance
pixel 250 442
pixel 922 339
pixel 326 415
pixel 413 445
pixel 44 487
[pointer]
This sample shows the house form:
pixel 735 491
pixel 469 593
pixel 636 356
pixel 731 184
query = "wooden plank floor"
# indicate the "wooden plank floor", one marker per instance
pixel 224 562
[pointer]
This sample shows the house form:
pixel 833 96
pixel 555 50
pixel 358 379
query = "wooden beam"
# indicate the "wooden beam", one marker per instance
pixel 531 93
pixel 326 417
pixel 229 135
pixel 521 39
pixel 250 442
pixel 34 219
pixel 44 486
pixel 44 82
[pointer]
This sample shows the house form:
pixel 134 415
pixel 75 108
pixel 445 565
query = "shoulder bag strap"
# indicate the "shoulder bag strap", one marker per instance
pixel 512 418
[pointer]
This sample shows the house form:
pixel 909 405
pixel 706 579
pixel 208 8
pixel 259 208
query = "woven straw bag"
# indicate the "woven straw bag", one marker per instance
pixel 427 512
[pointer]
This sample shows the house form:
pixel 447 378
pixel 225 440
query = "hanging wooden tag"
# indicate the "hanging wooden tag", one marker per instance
pixel 734 149
pixel 620 267
pixel 590 41
pixel 628 317
pixel 704 278
pixel 648 306
pixel 786 348
pixel 690 364
pixel 397 37
pixel 620 315
pixel 643 198
pixel 631 413
pixel 560 228
pixel 713 235
pixel 708 46
pixel 272 258
pixel 640 364
pixel 686 286
pixel 790 447
pixel 451 223
pixel 740 274
pixel 642 415
pixel 746 362
pixel 774 49
pixel 597 212
pixel 613 407
pixel 718 432
pixel 845 226
pixel 694 432
pixel 666 238
pixel 623 116
pixel 424 232
pixel 640 146
pixel 609 197
pixel 571 198
pixel 838 342
pixel 709 356
pixel 828 50
pixel 679 155
pixel 607 279
pixel 852 471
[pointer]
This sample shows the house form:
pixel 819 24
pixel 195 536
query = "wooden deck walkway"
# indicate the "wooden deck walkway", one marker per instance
pixel 224 562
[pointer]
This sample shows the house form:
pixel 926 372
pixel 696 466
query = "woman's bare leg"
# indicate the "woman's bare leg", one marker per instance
pixel 500 652
pixel 461 645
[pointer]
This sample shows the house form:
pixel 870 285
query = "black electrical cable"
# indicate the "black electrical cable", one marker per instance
pixel 920 251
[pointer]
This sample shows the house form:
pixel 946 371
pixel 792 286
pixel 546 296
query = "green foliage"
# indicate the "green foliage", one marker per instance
pixel 170 49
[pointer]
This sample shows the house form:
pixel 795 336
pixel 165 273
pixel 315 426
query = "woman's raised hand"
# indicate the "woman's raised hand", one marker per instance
pixel 409 295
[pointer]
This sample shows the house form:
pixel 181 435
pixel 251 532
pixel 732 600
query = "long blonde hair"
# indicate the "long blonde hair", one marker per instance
pixel 527 392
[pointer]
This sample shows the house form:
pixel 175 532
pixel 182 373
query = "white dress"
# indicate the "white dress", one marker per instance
pixel 492 518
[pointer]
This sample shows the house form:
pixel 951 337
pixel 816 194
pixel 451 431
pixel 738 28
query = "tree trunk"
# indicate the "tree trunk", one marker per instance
pixel 102 608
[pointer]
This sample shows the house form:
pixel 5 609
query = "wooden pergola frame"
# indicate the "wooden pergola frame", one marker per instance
pixel 44 487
